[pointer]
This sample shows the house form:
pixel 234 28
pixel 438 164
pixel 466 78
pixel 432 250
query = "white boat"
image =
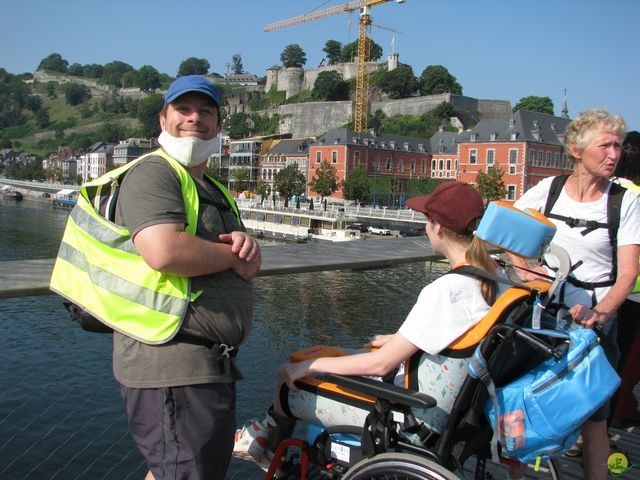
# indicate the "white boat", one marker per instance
pixel 295 224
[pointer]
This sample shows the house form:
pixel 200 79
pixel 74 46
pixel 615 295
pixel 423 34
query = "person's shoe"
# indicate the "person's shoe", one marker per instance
pixel 251 443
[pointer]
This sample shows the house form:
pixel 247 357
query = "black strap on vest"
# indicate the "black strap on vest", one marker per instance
pixel 614 206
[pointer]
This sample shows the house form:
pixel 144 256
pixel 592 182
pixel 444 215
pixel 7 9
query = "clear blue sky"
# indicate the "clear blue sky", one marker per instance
pixel 497 49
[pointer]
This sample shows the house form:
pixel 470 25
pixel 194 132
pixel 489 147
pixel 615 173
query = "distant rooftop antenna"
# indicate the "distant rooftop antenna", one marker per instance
pixel 565 109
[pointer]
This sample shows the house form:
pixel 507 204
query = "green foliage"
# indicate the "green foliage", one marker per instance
pixel 148 111
pixel 436 79
pixel 535 104
pixel 423 126
pixel 214 170
pixel 93 70
pixel 14 99
pixel 325 182
pixel 54 63
pixel 265 124
pixel 113 72
pixel 26 171
pixel 51 89
pixel 422 186
pixel 76 69
pixel 330 85
pixel 490 184
pixel 237 125
pixel 193 66
pixel 75 94
pixel 293 56
pixel 333 49
pixel 290 181
pixel 356 185
pixel 301 97
pixel 261 188
pixel 398 83
pixel 237 66
pixel 241 178
pixel 272 98
pixel 147 78
pixel 350 51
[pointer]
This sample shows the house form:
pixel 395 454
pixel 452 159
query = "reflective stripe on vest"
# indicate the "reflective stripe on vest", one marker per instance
pixel 99 268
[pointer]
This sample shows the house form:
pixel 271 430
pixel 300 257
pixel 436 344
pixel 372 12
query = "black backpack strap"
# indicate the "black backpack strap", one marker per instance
pixel 554 192
pixel 614 208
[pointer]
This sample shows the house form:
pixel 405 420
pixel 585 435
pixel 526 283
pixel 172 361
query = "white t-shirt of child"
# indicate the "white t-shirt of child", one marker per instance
pixel 445 309
pixel 593 249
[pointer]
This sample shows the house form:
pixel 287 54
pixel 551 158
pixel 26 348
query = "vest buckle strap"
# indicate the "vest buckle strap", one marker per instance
pixel 227 351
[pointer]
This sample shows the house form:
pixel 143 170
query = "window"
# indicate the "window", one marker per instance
pixel 547 162
pixel 513 157
pixel 512 169
pixel 413 165
pixel 532 158
pixel 473 156
pixel 424 166
pixel 356 157
pixel 564 160
pixel 511 192
pixel 449 164
pixel 377 163
pixel 556 159
pixel 433 164
pixel 318 156
pixel 491 157
pixel 334 156
pixel 401 166
pixel 540 158
pixel 389 164
pixel 440 164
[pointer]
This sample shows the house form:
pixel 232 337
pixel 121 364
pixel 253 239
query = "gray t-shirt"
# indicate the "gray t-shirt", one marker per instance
pixel 151 194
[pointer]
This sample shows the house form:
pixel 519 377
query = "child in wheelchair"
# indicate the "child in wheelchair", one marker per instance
pixel 445 310
pixel 451 316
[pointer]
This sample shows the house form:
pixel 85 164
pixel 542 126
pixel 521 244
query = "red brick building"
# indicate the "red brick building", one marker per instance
pixel 394 156
pixel 527 148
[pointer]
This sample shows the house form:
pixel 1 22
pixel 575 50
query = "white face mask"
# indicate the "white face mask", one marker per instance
pixel 188 151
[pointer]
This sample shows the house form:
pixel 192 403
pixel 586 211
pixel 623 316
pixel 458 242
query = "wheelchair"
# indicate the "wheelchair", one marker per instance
pixel 388 436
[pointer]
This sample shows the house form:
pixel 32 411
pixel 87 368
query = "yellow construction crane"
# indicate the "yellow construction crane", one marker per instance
pixel 364 48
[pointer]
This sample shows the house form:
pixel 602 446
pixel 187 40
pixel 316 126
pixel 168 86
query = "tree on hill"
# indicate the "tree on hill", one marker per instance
pixel 113 72
pixel 237 125
pixel 399 82
pixel 290 181
pixel 148 111
pixel 325 182
pixel 356 185
pixel 436 79
pixel 237 66
pixel 93 70
pixel 76 70
pixel 193 66
pixel 75 94
pixel 330 85
pixel 54 63
pixel 350 51
pixel 293 56
pixel 490 184
pixel 147 78
pixel 535 104
pixel 333 49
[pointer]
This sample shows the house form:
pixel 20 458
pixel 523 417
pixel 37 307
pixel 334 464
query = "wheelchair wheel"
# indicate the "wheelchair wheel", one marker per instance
pixel 398 466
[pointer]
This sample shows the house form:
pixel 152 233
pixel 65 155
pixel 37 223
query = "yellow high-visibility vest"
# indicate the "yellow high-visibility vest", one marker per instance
pixel 99 268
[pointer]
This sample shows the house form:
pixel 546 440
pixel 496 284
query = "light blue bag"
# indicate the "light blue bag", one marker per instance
pixel 540 413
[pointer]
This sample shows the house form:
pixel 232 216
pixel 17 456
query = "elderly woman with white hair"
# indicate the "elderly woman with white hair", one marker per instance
pixel 604 257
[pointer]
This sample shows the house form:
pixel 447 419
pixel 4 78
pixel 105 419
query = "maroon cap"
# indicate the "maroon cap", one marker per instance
pixel 453 205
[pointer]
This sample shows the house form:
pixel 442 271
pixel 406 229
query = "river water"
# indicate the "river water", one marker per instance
pixel 60 412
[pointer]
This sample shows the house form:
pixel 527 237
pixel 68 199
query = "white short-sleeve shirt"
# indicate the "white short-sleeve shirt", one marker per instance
pixel 445 309
pixel 593 249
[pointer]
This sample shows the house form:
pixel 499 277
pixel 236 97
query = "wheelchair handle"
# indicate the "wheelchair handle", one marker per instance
pixel 538 344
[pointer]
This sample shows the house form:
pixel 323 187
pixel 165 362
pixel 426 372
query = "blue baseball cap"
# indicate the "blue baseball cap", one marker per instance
pixel 192 83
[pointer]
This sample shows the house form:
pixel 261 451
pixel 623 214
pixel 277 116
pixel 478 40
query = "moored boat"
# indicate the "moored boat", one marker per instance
pixel 65 198
pixel 10 194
